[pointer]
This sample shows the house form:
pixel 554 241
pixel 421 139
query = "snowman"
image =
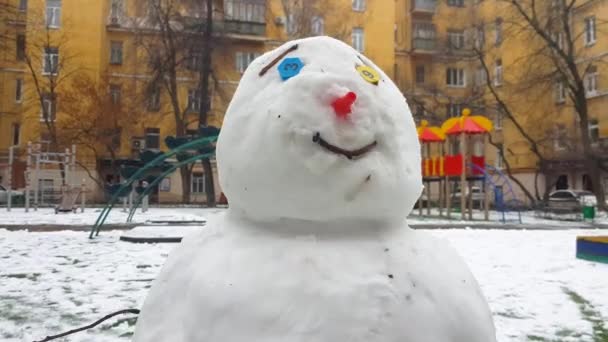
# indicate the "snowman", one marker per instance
pixel 319 159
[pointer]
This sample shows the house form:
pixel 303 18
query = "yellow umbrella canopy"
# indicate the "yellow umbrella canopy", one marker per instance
pixel 468 124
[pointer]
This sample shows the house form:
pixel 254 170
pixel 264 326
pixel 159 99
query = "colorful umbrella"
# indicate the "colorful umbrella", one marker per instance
pixel 428 134
pixel 467 124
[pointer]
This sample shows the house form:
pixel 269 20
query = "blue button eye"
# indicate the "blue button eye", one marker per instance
pixel 290 67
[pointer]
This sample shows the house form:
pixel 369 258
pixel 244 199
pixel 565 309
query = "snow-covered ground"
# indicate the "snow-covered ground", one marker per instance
pixel 47 216
pixel 55 281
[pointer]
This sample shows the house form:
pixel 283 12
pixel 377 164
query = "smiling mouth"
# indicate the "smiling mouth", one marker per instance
pixel 350 154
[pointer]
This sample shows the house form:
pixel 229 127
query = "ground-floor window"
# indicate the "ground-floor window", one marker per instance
pixel 197 185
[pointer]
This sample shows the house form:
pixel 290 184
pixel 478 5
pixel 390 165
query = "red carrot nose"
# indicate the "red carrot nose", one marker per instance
pixel 342 104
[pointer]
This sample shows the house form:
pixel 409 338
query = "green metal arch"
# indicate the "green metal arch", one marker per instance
pixel 155 162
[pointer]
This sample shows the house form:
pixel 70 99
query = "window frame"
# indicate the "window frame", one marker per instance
pixel 116 52
pixel 15 133
pixel 359 5
pixel 54 6
pixel 154 134
pixel 593 125
pixel 51 108
pixel 591 78
pixel 420 74
pixel 20 47
pixel 317 25
pixel 457 36
pixel 115 93
pixel 498 31
pixel 358 39
pixel 460 77
pixel 590 31
pixel 19 90
pixel 50 61
pixel 22 7
pixel 498 73
pixel 197 183
pixel 194 100
pixel 244 59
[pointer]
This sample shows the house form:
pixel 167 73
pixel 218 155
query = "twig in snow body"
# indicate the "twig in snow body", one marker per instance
pixel 99 321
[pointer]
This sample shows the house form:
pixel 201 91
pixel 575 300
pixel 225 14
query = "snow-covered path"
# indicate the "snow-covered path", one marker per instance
pixel 55 281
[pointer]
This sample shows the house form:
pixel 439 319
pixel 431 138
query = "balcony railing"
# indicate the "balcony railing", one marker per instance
pixel 425 44
pixel 426 6
pixel 243 27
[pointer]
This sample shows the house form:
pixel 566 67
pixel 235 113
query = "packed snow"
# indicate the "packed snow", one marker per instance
pixel 52 282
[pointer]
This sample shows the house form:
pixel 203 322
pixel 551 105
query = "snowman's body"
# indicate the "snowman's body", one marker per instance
pixel 315 246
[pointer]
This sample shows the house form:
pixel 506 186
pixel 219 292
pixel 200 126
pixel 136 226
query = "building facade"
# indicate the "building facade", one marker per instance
pixel 84 73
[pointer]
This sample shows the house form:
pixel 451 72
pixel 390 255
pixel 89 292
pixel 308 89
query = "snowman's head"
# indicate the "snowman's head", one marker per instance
pixel 316 131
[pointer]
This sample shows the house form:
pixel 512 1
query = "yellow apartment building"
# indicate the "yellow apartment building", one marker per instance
pixel 438 45
pixel 95 54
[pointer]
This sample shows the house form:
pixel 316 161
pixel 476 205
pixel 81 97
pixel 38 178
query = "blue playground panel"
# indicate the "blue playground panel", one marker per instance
pixel 592 248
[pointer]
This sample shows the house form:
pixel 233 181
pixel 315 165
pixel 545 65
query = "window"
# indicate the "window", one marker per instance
pixel 558 37
pixel 358 39
pixel 153 138
pixel 49 108
pixel 456 3
pixel 480 37
pixel 455 77
pixel 498 163
pixel 194 100
pixel 498 31
pixel 560 92
pixel 50 61
pixel 359 5
pixel 248 11
pixel 317 26
pixel 194 61
pixel 454 109
pixel 20 47
pixel 243 59
pixel 116 52
pixel 197 185
pixel 498 73
pixel 480 77
pixel 498 118
pixel 591 81
pixel 589 31
pixel 18 90
pixel 154 99
pixel 594 131
pixel 115 10
pixel 53 13
pixel 115 94
pixel 559 138
pixel 16 128
pixel 420 74
pixel 22 5
pixel 456 40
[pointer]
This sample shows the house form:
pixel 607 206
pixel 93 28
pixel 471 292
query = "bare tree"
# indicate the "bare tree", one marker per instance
pixel 555 60
pixel 96 117
pixel 180 38
pixel 50 65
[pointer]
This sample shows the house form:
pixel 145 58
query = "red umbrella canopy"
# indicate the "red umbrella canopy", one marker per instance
pixel 467 124
pixel 428 134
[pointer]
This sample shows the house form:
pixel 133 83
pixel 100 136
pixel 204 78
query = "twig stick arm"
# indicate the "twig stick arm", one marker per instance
pixel 92 325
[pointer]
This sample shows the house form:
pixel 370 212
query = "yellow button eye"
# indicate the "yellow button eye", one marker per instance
pixel 368 74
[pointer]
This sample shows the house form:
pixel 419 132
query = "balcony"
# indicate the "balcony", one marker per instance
pixel 424 39
pixel 243 27
pixel 424 6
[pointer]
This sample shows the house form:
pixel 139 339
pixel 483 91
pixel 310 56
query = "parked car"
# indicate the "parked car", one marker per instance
pixel 4 194
pixel 570 200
